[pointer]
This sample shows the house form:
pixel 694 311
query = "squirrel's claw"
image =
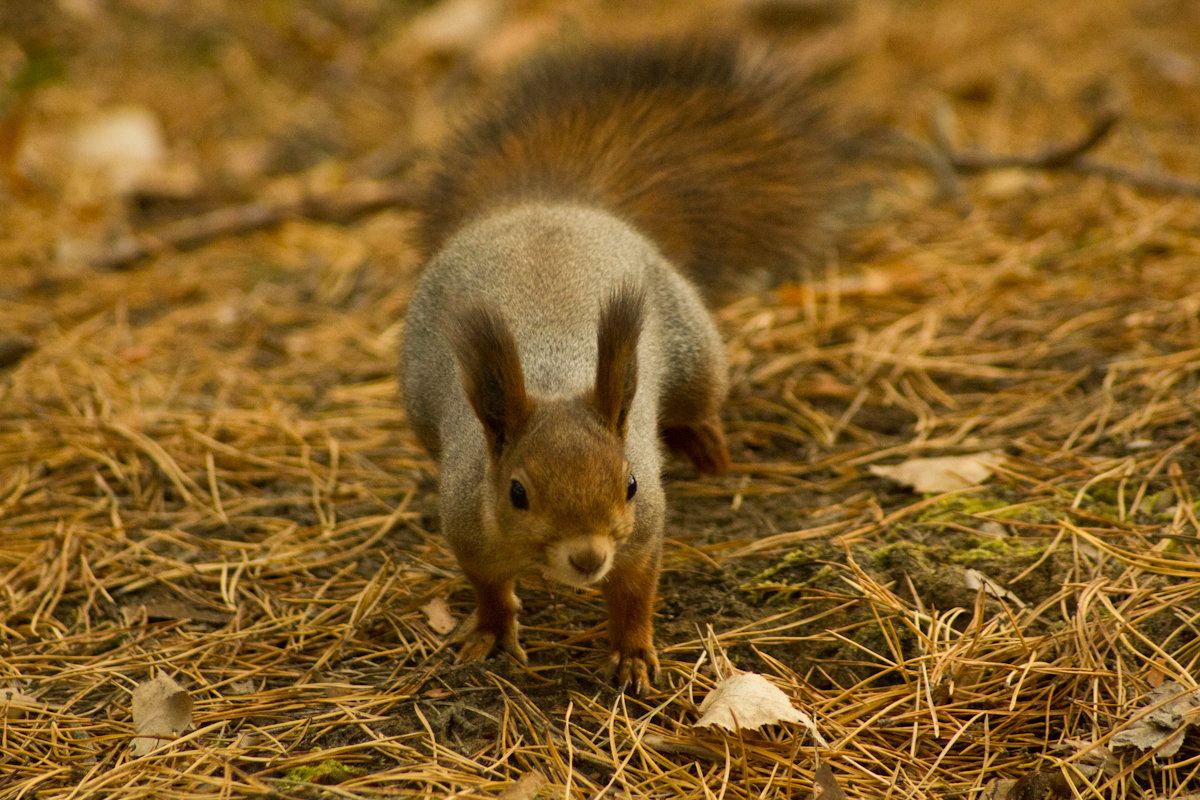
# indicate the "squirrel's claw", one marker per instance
pixel 633 672
pixel 479 643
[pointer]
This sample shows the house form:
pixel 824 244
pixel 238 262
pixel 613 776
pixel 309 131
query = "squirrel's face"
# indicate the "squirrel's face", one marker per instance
pixel 564 490
pixel 562 497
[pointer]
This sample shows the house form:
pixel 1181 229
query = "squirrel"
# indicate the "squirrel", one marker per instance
pixel 571 233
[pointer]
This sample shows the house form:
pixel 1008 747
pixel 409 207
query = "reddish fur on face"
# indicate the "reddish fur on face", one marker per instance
pixel 575 468
pixel 616 364
pixel 491 374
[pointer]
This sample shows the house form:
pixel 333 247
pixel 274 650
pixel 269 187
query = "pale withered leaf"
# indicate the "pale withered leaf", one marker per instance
pixel 162 709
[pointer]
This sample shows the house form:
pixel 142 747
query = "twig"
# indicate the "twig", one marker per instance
pixel 187 234
pixel 1054 157
pixel 1150 181
pixel 1069 158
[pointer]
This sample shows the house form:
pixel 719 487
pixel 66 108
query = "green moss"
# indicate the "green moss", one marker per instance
pixel 887 554
pixel 982 504
pixel 326 772
pixel 973 550
pixel 771 578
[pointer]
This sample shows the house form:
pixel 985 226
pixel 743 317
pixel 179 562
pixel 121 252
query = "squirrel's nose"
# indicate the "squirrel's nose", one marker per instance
pixel 587 561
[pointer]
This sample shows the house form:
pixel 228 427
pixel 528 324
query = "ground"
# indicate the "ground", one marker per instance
pixel 205 470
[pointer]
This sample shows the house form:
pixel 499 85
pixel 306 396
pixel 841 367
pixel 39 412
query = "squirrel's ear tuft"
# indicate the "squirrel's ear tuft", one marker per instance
pixel 490 369
pixel 616 367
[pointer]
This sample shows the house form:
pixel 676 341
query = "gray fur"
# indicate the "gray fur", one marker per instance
pixel 547 268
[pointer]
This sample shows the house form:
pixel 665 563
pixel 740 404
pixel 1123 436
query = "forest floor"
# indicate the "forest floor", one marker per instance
pixel 205 472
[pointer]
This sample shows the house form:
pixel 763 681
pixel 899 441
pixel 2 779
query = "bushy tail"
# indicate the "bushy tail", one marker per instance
pixel 728 165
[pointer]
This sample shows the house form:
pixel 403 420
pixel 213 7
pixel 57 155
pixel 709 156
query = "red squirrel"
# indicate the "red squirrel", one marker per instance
pixel 557 333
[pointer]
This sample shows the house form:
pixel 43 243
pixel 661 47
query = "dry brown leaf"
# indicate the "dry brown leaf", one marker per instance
pixel 175 610
pixel 1162 729
pixel 664 745
pixel 1039 785
pixel 15 705
pixel 453 27
pixel 161 710
pixel 943 474
pixel 1005 184
pixel 825 786
pixel 998 789
pixel 747 701
pixel 975 580
pixel 438 615
pixel 525 788
pixel 1090 759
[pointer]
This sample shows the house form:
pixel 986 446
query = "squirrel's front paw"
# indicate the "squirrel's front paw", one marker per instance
pixel 479 643
pixel 634 671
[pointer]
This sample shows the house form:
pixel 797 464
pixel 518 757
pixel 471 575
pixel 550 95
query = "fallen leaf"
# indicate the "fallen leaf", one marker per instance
pixel 1155 676
pixel 1038 785
pixel 1006 184
pixel 15 705
pixel 161 710
pixel 664 745
pixel 175 610
pixel 825 786
pixel 1090 759
pixel 747 701
pixel 944 474
pixel 452 27
pixel 248 740
pixel 525 788
pixel 513 40
pixel 120 144
pixel 975 580
pixel 438 615
pixel 998 789
pixel 1161 729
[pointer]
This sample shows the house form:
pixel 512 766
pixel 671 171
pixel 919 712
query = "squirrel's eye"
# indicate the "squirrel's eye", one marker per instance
pixel 517 496
pixel 630 488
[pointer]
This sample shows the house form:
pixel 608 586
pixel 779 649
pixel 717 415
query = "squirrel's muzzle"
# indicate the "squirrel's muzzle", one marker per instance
pixel 580 561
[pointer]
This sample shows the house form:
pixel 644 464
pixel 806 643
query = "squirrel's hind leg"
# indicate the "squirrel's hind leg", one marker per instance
pixel 702 443
pixel 694 376
pixel 494 621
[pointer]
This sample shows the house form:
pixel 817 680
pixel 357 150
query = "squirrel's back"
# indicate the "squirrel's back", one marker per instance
pixel 723 161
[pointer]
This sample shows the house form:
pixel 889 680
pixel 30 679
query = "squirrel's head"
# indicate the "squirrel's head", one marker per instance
pixel 561 487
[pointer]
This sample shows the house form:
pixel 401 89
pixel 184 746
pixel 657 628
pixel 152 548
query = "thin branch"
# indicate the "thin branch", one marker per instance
pixel 1150 181
pixel 1054 157
pixel 188 234
pixel 1072 158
